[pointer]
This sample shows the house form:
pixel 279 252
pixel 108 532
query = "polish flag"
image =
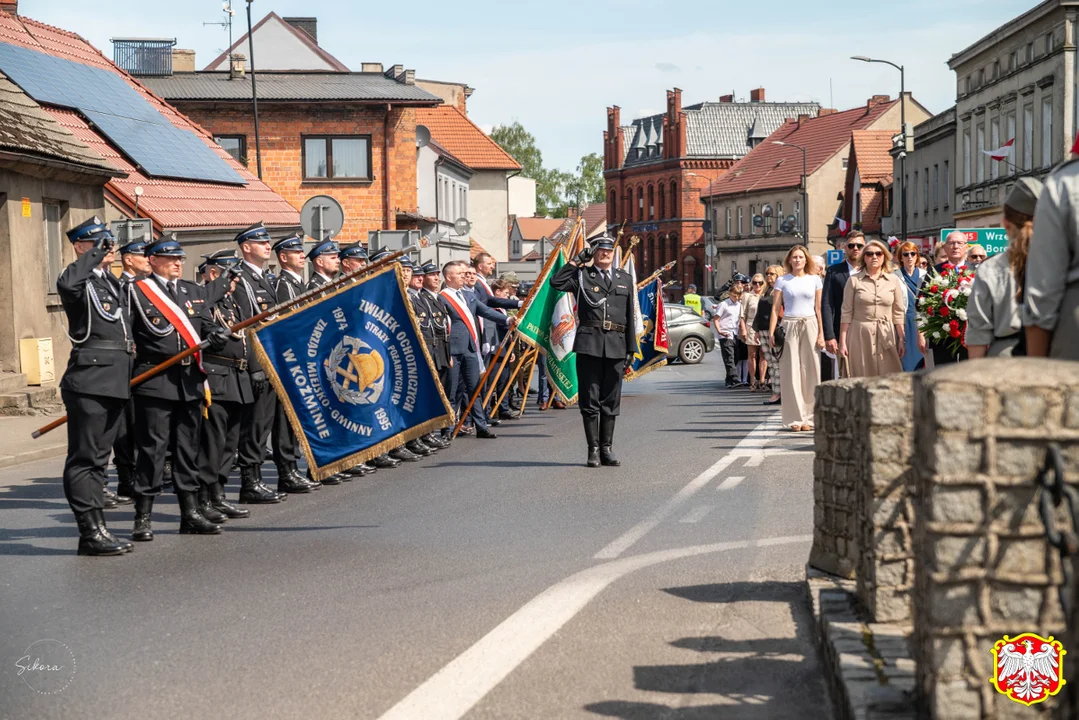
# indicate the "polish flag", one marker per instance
pixel 842 226
pixel 1001 152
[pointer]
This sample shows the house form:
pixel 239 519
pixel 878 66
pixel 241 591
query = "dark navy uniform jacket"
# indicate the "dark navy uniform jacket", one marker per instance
pixel 253 295
pixel 100 320
pixel 226 372
pixel 440 328
pixel 427 314
pixel 597 301
pixel 288 287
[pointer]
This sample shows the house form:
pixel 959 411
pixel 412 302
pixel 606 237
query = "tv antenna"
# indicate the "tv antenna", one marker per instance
pixel 226 7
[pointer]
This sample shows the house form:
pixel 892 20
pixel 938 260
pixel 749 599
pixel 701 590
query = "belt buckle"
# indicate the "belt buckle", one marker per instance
pixel 186 361
pixel 129 346
pixel 241 364
pixel 606 324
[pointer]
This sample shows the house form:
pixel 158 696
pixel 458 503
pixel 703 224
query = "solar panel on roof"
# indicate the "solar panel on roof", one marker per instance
pixel 132 124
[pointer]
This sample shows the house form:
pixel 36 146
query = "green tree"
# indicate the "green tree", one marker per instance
pixel 588 185
pixel 550 184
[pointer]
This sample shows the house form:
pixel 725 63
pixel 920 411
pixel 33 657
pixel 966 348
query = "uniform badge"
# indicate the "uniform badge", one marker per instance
pixel 263 305
pixel 106 307
pixel 156 321
pixel 1028 668
pixel 183 290
pixel 595 288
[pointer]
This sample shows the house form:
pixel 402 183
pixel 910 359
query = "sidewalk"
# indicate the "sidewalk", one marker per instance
pixel 17 446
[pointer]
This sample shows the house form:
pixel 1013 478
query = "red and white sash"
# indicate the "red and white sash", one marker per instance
pixel 464 313
pixel 164 304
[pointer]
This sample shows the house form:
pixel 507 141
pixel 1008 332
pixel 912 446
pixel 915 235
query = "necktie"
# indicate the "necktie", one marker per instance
pixel 172 291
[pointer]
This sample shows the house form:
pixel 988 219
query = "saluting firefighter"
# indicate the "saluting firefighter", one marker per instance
pixel 133 259
pixel 95 386
pixel 605 339
pixel 230 389
pixel 170 315
pixel 255 293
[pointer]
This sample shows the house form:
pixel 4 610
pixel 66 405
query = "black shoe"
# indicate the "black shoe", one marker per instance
pixel 254 492
pixel 223 506
pixel 303 479
pixel 509 416
pixel 358 471
pixel 91 540
pixel 282 496
pixel 418 448
pixel 606 439
pixel 112 499
pixel 99 518
pixel 384 461
pixel 192 521
pixel 772 402
pixel 494 423
pixel 485 434
pixel 206 509
pixel 143 530
pixel 125 488
pixel 591 436
pixel 467 430
pixel 436 441
pixel 288 484
pixel 330 480
pixel 403 455
pixel 431 447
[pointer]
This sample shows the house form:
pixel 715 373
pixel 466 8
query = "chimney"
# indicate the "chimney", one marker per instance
pixel 371 67
pixel 237 65
pixel 394 72
pixel 410 77
pixel 802 117
pixel 756 95
pixel 11 7
pixel 826 111
pixel 571 213
pixel 726 98
pixel 877 100
pixel 308 25
pixel 183 61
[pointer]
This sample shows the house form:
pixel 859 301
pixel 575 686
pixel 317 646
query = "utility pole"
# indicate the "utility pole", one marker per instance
pixel 254 90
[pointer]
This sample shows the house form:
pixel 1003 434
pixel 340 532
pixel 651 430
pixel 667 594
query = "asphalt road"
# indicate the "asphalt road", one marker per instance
pixel 497 579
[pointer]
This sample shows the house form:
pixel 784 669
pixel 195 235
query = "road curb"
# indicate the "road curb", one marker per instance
pixel 867 666
pixel 28 456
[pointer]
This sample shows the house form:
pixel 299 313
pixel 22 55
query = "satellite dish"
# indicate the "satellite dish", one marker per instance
pixel 462 226
pixel 766 211
pixel 792 219
pixel 423 136
pixel 786 227
pixel 321 217
pixel 758 221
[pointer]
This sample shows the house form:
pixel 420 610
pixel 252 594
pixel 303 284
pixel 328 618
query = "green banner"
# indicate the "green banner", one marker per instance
pixel 994 240
pixel 534 326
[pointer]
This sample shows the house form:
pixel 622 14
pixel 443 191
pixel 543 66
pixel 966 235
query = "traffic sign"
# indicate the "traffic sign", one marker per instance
pixel 834 257
pixel 994 240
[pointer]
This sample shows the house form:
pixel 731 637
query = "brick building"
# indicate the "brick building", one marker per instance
pixel 869 175
pixel 656 168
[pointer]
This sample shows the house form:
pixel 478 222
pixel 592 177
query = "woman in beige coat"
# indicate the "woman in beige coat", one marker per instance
pixel 872 331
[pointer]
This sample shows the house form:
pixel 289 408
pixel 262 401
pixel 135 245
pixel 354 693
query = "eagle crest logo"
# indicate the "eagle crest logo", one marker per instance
pixel 1028 668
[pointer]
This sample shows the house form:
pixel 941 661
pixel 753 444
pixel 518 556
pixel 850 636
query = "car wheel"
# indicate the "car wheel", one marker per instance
pixel 691 350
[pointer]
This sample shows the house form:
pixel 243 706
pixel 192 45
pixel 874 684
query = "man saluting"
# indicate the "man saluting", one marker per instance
pixel 605 338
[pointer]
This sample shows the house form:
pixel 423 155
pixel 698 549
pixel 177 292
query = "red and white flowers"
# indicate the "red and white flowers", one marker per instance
pixel 942 306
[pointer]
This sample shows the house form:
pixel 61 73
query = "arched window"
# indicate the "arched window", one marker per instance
pixel 676 212
pixel 673 254
pixel 661 259
pixel 651 202
pixel 650 259
pixel 662 201
pixel 640 204
pixel 612 207
pixel 627 213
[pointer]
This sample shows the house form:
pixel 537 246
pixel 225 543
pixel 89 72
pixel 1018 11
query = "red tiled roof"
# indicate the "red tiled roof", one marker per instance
pixel 475 249
pixel 534 229
pixel 595 218
pixel 171 204
pixel 871 148
pixel 770 166
pixel 452 129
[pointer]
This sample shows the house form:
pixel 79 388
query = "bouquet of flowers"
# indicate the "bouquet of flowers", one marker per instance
pixel 942 307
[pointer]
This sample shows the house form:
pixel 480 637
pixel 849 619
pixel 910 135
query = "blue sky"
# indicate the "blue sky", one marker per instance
pixel 556 65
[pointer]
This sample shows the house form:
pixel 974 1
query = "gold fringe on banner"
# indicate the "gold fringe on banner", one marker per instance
pixel 645 369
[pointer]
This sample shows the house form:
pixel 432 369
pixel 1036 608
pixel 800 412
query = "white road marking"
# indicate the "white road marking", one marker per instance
pixel 697 514
pixel 455 689
pixel 732 482
pixel 755 461
pixel 750 444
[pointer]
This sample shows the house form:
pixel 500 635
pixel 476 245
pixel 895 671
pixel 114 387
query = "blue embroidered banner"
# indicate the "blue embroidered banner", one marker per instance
pixel 654 341
pixel 353 373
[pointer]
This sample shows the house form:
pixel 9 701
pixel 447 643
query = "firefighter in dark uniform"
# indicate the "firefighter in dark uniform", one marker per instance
pixel 255 293
pixel 169 406
pixel 431 315
pixel 95 386
pixel 605 339
pixel 413 279
pixel 133 259
pixel 230 389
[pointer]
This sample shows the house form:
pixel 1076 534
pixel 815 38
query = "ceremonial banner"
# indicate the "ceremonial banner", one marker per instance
pixel 653 343
pixel 546 323
pixel 638 316
pixel 353 373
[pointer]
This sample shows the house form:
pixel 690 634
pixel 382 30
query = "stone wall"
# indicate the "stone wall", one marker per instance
pixel 983 565
pixel 835 528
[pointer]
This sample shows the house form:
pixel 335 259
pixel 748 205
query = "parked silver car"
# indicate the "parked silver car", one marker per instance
pixel 690 335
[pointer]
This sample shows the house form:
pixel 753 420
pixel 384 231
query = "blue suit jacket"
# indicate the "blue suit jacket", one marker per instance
pixel 460 337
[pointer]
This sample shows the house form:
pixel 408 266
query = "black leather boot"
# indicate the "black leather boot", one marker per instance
pixel 282 496
pixel 125 488
pixel 403 454
pixel 191 520
pixel 434 440
pixel 143 531
pixel 606 438
pixel 91 540
pixel 301 478
pixel 591 435
pixel 418 448
pixel 108 498
pixel 385 461
pixel 99 518
pixel 223 506
pixel 206 509
pixel 252 491
pixel 288 484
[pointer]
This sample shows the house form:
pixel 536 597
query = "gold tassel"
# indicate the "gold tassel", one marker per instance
pixel 208 398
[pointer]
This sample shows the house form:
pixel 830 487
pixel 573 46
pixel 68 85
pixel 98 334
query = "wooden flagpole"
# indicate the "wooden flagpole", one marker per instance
pixel 265 315
pixel 629 251
pixel 513 376
pixel 528 385
pixel 656 274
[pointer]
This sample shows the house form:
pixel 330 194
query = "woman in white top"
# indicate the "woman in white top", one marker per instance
pixel 798 293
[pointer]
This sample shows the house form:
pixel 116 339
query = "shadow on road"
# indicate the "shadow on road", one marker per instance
pixel 758 678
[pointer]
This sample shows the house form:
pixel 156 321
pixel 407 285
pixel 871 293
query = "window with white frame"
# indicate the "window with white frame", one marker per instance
pixel 1047 130
pixel 1028 136
pixel 740 219
pixel 728 234
pixel 979 157
pixel 994 143
pixel 966 157
pixel 1009 134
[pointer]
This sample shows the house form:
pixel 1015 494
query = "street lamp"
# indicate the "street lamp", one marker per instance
pixel 903 152
pixel 805 191
pixel 711 243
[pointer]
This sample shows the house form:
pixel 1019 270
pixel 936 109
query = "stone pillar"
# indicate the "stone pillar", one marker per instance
pixel 834 475
pixel 883 438
pixel 983 567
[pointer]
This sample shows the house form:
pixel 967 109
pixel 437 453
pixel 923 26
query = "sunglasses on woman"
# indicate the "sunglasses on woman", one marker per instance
pixel 910 254
pixel 873 253
pixel 757 282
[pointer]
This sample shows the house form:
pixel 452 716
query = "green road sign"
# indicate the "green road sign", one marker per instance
pixel 994 240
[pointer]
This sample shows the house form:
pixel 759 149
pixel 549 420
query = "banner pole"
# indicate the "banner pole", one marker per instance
pixel 528 385
pixel 525 357
pixel 656 274
pixel 491 389
pixel 254 320
pixel 633 241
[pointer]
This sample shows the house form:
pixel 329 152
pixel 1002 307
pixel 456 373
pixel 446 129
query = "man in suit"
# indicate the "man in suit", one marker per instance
pixel 170 315
pixel 464 310
pixel 605 340
pixel 96 385
pixel 831 303
pixel 956 246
